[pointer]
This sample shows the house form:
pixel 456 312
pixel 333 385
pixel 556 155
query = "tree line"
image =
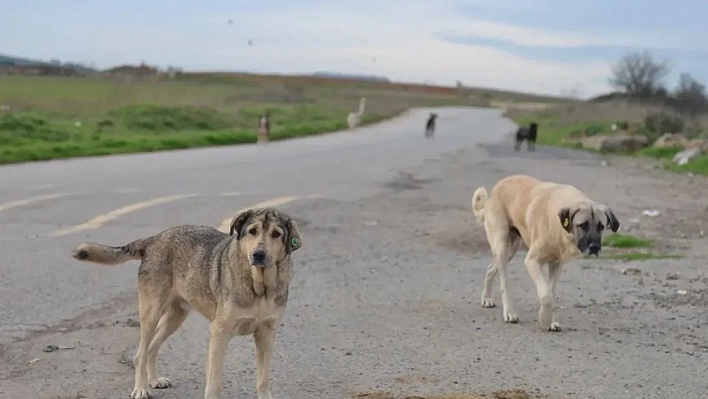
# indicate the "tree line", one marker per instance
pixel 640 76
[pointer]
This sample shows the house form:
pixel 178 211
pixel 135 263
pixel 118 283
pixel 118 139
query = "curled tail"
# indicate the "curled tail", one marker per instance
pixel 479 200
pixel 107 255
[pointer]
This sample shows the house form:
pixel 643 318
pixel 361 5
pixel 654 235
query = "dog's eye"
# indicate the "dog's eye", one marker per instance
pixel 275 234
pixel 600 227
pixel 584 225
pixel 253 231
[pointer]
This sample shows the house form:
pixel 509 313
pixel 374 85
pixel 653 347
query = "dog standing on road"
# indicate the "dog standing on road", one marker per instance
pixel 264 128
pixel 557 222
pixel 526 133
pixel 238 281
pixel 430 125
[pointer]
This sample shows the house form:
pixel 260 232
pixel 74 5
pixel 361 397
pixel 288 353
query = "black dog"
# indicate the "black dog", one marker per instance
pixel 528 134
pixel 430 125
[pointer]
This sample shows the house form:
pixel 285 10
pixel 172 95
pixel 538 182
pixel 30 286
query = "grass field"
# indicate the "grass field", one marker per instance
pixel 561 121
pixel 60 117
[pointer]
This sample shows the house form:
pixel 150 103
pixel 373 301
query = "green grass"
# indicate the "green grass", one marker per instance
pixel 137 128
pixel 639 256
pixel 617 240
pixel 630 248
pixel 139 115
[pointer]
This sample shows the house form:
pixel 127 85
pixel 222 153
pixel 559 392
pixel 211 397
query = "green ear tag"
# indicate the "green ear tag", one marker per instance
pixel 295 242
pixel 566 222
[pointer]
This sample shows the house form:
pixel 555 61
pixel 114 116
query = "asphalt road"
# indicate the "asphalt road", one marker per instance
pixel 386 288
pixel 44 206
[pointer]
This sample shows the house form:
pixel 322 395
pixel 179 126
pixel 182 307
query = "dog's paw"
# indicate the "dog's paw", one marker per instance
pixel 511 317
pixel 140 394
pixel 555 327
pixel 488 303
pixel 265 395
pixel 161 383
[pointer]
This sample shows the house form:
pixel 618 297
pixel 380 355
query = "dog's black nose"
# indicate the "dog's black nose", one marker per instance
pixel 259 256
pixel 594 249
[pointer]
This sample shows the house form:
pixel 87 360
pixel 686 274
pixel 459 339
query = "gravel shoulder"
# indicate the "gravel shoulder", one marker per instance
pixel 386 297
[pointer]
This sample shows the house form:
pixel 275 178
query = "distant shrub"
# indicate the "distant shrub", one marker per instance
pixel 661 123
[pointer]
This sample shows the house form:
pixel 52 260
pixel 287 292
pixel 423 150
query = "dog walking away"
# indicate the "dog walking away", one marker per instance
pixel 528 134
pixel 238 281
pixel 556 222
pixel 430 125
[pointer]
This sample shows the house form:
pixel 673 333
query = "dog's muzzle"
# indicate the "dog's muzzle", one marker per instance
pixel 258 258
pixel 594 249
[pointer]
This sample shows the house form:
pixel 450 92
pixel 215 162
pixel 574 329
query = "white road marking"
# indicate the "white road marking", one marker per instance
pixel 230 194
pixel 26 201
pixel 127 190
pixel 226 224
pixel 100 220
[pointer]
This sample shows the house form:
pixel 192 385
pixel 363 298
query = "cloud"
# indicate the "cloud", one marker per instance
pixel 404 44
pixel 420 40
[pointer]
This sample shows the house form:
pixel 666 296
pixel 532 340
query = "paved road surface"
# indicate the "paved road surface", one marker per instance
pixel 386 289
pixel 48 207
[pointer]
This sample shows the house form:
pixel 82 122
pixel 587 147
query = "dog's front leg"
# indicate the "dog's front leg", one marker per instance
pixel 545 296
pixel 554 272
pixel 218 342
pixel 264 337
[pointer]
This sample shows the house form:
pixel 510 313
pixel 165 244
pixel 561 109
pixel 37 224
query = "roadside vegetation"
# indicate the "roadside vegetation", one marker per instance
pixel 48 117
pixel 642 118
pixel 631 248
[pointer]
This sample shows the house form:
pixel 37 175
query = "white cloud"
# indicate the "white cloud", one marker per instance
pixel 403 44
pixel 337 36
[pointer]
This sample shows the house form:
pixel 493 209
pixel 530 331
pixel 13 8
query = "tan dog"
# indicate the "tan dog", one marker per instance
pixel 557 222
pixel 239 281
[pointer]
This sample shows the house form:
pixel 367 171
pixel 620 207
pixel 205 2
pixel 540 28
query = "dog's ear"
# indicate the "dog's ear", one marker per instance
pixel 612 221
pixel 238 221
pixel 564 215
pixel 294 240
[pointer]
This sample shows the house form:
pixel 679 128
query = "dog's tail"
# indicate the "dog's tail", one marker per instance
pixel 107 255
pixel 479 200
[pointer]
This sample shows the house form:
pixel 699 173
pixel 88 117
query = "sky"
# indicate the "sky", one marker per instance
pixel 542 46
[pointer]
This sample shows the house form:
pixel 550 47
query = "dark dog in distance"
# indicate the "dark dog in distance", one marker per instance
pixel 528 134
pixel 430 125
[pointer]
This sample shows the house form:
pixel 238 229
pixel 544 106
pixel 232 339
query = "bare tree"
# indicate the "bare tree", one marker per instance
pixel 639 74
pixel 690 96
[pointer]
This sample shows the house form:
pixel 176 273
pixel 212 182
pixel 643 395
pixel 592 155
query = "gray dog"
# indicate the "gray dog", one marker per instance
pixel 239 281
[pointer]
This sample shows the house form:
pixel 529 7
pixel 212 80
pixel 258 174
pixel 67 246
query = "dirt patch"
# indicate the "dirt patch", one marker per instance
pixel 406 181
pixel 463 238
pixel 502 394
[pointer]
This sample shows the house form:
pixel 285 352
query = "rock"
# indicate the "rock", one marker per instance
pixel 624 143
pixel 684 156
pixel 701 144
pixel 631 271
pixel 670 140
pixel 593 142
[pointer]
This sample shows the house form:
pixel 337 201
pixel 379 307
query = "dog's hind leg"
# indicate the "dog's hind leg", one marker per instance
pixel 554 272
pixel 492 272
pixel 501 246
pixel 169 322
pixel 543 289
pixel 264 338
pixel 150 308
